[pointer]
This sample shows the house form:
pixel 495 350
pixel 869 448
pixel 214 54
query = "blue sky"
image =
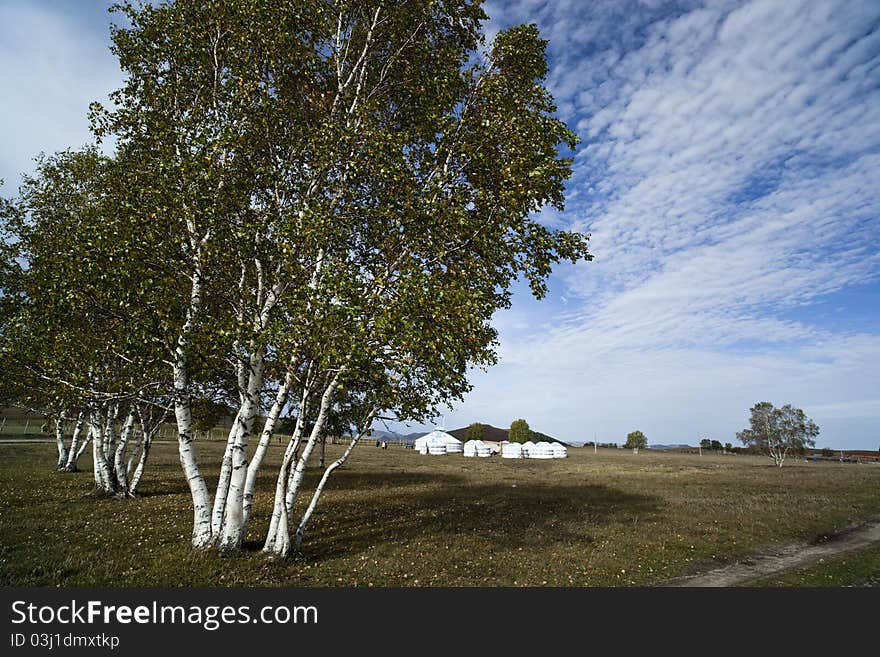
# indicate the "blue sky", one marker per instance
pixel 729 173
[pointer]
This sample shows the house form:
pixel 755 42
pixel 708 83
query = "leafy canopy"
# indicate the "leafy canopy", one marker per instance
pixel 636 440
pixel 519 431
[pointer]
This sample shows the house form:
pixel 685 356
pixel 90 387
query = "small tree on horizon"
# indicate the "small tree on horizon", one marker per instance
pixel 476 431
pixel 519 431
pixel 636 440
pixel 778 431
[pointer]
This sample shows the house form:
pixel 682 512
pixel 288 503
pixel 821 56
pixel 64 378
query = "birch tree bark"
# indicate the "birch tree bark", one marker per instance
pixel 301 528
pixel 259 453
pixel 104 479
pixel 59 440
pixel 279 544
pixel 75 450
pixel 120 469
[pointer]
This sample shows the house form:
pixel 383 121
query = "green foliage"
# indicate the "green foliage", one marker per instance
pixel 706 443
pixel 635 440
pixel 778 431
pixel 475 431
pixel 519 431
pixel 207 413
pixel 397 209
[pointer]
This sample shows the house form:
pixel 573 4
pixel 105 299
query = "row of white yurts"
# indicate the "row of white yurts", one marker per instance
pixel 530 450
pixel 438 442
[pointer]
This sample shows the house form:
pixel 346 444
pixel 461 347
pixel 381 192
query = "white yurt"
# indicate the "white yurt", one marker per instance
pixel 511 451
pixel 438 442
pixel 541 450
pixel 558 450
pixel 527 448
pixel 477 448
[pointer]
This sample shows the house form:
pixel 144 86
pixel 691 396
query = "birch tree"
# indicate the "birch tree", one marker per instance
pixel 72 343
pixel 778 431
pixel 331 192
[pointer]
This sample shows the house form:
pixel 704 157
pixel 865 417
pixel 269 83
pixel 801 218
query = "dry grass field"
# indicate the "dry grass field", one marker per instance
pixel 397 518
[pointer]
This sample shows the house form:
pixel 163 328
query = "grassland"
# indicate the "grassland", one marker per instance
pixel 856 568
pixel 396 518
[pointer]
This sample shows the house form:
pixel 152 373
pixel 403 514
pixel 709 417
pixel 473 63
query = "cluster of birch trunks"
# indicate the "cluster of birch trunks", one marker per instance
pixel 118 458
pixel 313 213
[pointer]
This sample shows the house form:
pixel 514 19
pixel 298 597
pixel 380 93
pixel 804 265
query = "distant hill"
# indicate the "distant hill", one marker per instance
pixel 490 433
pixel 497 435
pixel 680 446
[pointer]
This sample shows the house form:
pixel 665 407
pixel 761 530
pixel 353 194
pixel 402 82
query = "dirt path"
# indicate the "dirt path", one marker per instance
pixel 789 556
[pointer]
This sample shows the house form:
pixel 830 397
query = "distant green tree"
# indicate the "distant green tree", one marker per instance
pixel 636 440
pixel 778 431
pixel 476 431
pixel 705 443
pixel 519 431
pixel 728 447
pixel 716 445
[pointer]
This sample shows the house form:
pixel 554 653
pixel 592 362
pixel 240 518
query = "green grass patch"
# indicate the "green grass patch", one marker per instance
pixel 397 518
pixel 855 568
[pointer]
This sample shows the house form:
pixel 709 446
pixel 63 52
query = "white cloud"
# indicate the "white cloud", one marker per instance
pixel 53 68
pixel 729 180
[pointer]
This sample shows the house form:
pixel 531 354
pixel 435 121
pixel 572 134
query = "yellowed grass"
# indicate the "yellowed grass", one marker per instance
pixel 395 517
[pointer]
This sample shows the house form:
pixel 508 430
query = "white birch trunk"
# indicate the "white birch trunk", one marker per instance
pixel 201 536
pixel 260 451
pixel 232 525
pixel 130 464
pixel 75 450
pixel 83 448
pixel 148 432
pixel 59 440
pixel 222 491
pixel 301 528
pixel 109 436
pixel 142 462
pixel 278 508
pixel 103 473
pixel 120 470
pixel 281 543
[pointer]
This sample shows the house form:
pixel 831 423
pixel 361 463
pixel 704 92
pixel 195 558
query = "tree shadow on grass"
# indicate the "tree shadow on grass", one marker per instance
pixel 364 510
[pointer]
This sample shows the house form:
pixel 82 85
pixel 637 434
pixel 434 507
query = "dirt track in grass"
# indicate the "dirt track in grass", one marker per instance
pixel 784 558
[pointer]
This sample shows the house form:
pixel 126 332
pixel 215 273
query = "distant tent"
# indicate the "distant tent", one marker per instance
pixel 438 442
pixel 511 451
pixel 527 448
pixel 477 448
pixel 541 450
pixel 558 450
